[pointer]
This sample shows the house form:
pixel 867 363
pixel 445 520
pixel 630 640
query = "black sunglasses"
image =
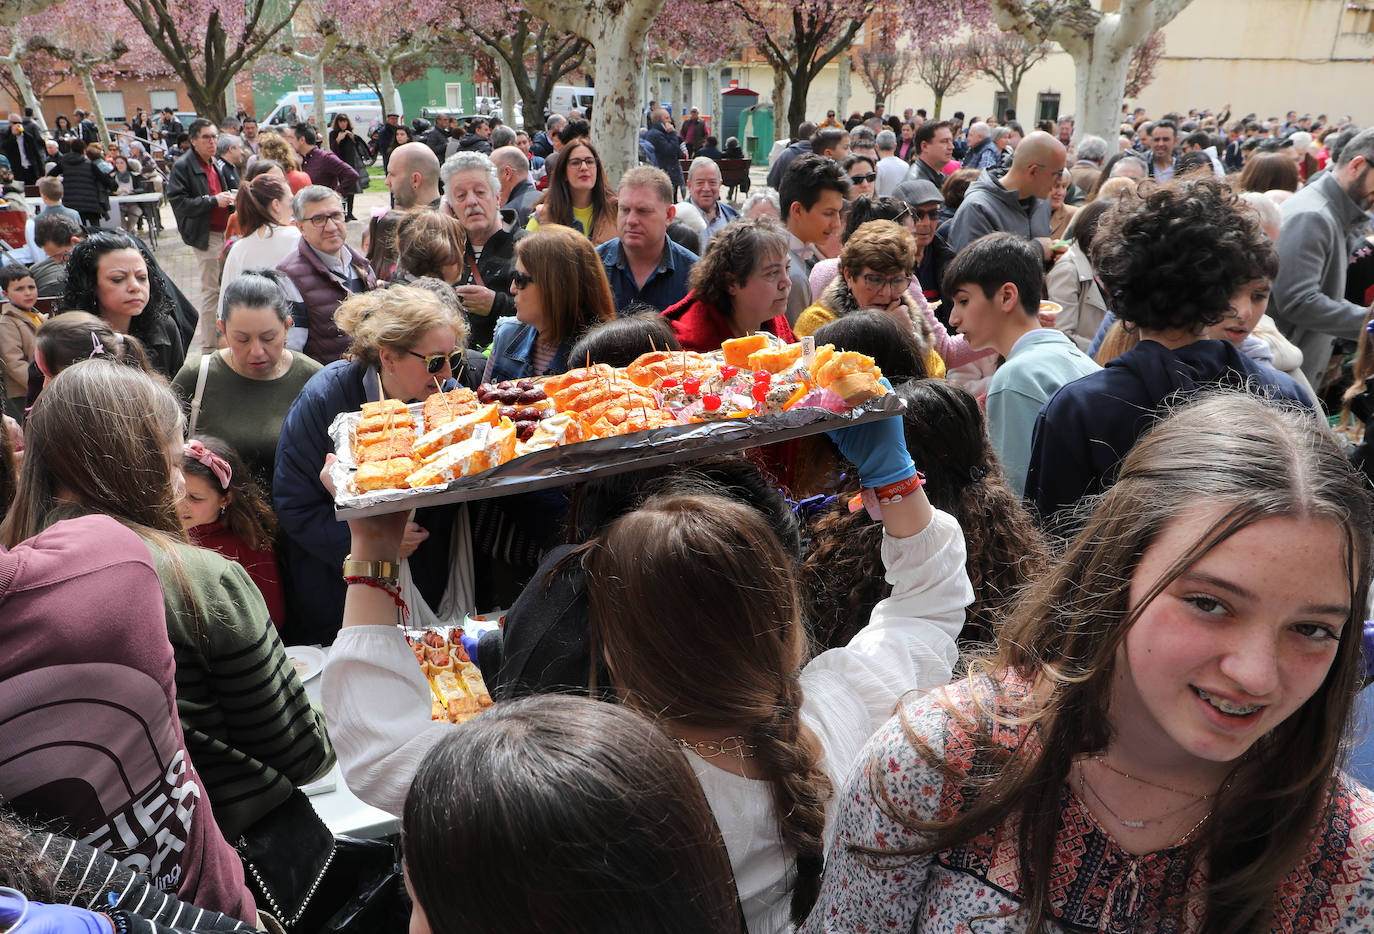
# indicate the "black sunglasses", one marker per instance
pixel 860 179
pixel 521 280
pixel 434 362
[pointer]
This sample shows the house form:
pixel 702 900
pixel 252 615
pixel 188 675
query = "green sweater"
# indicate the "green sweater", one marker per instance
pixel 249 726
pixel 247 413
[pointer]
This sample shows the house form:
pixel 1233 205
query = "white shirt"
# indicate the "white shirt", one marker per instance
pixel 377 704
pixel 266 246
pixel 891 171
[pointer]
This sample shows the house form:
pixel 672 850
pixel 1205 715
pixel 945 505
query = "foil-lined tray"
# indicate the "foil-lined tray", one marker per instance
pixel 600 457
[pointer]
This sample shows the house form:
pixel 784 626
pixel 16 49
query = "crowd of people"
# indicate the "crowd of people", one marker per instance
pixel 1077 639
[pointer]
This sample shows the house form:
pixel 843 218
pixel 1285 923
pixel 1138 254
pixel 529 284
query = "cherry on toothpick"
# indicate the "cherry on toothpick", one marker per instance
pixel 691 384
pixel 668 382
pixel 728 371
pixel 760 392
pixel 710 402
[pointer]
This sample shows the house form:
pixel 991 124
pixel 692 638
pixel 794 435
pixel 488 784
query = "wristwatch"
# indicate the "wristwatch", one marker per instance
pixel 378 570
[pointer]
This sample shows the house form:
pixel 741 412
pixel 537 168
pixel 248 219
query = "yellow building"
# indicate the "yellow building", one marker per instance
pixel 1260 56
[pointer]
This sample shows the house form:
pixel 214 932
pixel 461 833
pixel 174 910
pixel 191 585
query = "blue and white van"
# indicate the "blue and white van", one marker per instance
pixel 362 106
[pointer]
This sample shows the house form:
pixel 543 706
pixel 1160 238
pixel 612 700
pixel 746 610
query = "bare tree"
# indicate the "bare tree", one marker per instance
pixel 1141 71
pixel 1005 57
pixel 945 67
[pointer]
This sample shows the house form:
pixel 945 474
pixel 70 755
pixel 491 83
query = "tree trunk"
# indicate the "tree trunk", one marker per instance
pixel 27 98
pixel 388 85
pixel 689 88
pixel 317 95
pixel 231 101
pixel 781 104
pixel 1100 85
pixel 507 91
pixel 675 89
pixel 1013 94
pixel 939 102
pixel 796 106
pixel 844 87
pixel 713 95
pixel 97 114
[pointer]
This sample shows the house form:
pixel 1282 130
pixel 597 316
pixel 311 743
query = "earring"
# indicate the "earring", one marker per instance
pixel 221 512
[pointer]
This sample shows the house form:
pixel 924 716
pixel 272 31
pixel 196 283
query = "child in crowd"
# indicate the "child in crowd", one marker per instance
pixel 1171 263
pixel 995 285
pixel 18 334
pixel 223 509
pixel 1156 744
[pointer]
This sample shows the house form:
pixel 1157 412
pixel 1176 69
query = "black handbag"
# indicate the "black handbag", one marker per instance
pixel 286 855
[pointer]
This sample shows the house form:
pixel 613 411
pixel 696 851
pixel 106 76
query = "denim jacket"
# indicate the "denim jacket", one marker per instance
pixel 512 352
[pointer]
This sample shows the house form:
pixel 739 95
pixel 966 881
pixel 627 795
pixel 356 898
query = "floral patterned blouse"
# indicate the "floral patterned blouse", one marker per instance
pixel 1095 885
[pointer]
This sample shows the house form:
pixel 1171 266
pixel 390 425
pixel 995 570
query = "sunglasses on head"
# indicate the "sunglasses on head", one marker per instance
pixel 521 280
pixel 860 179
pixel 434 362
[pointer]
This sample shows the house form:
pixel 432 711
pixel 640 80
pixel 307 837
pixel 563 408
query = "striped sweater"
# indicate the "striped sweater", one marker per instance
pixel 89 879
pixel 251 731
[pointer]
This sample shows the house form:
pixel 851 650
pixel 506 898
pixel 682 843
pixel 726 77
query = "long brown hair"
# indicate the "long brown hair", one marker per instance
pixel 427 242
pixel 254 203
pixel 571 280
pixel 732 257
pixel 1260 462
pixel 843 574
pixel 247 514
pixel 695 608
pixel 558 200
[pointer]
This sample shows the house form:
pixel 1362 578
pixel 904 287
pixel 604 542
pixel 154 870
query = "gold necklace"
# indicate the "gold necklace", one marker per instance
pixel 1102 760
pixel 728 746
pixel 1126 821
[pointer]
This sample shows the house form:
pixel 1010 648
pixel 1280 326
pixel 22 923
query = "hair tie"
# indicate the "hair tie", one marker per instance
pixel 97 348
pixel 218 465
pixel 977 473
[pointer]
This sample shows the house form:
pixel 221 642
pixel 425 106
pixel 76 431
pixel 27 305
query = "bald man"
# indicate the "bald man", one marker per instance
pixel 517 191
pixel 1014 200
pixel 412 174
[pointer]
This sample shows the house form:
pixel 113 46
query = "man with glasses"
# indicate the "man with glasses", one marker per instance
pixel 323 271
pixel 201 191
pixel 933 254
pixel 1014 200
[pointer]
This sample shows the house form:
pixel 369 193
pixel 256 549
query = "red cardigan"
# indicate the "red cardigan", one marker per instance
pixel 260 565
pixel 700 327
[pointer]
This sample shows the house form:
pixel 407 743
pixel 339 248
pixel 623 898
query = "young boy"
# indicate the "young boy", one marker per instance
pixel 50 190
pixel 18 334
pixel 995 284
pixel 812 199
pixel 1173 266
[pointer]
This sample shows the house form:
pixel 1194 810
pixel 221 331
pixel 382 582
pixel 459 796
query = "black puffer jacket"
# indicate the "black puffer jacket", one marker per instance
pixel 85 189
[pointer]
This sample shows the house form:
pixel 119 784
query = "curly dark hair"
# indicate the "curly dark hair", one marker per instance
pixel 81 281
pixel 1174 258
pixel 842 573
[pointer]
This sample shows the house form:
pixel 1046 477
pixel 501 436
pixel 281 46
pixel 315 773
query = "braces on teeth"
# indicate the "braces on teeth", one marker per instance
pixel 1226 707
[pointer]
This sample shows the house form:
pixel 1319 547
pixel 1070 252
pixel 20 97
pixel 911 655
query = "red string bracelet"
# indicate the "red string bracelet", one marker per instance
pixel 387 587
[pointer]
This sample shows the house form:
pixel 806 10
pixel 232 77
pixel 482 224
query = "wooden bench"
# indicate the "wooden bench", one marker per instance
pixel 734 173
pixel 47 306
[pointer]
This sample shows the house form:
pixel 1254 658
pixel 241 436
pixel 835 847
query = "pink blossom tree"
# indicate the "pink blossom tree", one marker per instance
pixel 1144 60
pixel 535 54
pixel 87 37
pixel 691 33
pixel 29 73
pixel 887 63
pixel 208 42
pixel 946 68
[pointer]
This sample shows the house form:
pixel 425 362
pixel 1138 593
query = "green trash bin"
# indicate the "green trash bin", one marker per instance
pixel 756 127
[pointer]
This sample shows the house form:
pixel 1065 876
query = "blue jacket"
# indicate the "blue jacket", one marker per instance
pixel 665 288
pixel 512 352
pixel 313 544
pixel 667 152
pixel 1088 426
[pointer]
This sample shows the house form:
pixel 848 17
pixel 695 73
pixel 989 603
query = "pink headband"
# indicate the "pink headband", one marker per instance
pixel 218 466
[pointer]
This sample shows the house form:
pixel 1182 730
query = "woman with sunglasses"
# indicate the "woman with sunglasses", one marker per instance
pixel 241 392
pixel 875 272
pixel 560 291
pixel 578 195
pixel 407 343
pixel 862 172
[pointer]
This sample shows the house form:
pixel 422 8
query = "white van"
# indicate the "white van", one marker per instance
pixel 361 105
pixel 566 97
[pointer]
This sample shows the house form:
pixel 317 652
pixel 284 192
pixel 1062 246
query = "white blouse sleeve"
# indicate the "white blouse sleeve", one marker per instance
pixel 907 645
pixel 377 707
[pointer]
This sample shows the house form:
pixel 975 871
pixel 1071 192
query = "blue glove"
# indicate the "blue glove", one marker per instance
pixel 470 644
pixel 47 919
pixel 877 448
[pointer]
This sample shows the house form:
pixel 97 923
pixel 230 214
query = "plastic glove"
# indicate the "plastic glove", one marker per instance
pixel 470 644
pixel 47 919
pixel 877 448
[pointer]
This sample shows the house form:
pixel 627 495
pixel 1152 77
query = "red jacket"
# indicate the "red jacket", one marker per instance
pixel 701 328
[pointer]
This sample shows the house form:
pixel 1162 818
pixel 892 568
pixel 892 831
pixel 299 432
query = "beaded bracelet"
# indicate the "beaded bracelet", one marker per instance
pixel 388 587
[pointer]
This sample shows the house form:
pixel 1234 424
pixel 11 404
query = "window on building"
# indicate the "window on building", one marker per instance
pixel 1000 103
pixel 1358 18
pixel 1047 106
pixel 111 105
pixel 160 99
pixel 453 96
